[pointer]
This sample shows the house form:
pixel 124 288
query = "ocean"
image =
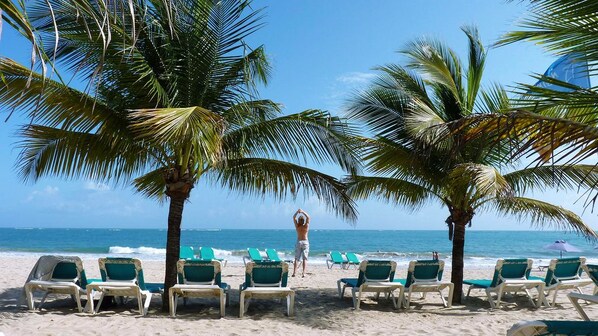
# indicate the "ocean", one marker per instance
pixel 482 248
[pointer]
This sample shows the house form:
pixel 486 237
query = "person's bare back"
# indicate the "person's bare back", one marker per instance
pixel 302 230
pixel 301 220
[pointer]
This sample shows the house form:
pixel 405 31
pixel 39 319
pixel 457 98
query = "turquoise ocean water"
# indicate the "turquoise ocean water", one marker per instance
pixel 481 250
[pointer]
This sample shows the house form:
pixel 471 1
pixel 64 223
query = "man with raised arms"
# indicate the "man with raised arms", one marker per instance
pixel 301 220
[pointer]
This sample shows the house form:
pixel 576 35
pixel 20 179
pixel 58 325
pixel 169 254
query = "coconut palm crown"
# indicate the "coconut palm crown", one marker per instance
pixel 415 158
pixel 169 98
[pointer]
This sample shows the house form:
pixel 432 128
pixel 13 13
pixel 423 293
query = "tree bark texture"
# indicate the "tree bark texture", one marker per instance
pixel 173 244
pixel 457 261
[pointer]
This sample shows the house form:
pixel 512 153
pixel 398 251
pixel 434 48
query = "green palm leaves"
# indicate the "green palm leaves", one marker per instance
pixel 169 97
pixel 416 154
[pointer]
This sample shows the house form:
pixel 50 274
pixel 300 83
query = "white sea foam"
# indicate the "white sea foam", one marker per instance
pixel 135 250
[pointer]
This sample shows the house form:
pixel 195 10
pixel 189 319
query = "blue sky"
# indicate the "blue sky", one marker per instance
pixel 321 52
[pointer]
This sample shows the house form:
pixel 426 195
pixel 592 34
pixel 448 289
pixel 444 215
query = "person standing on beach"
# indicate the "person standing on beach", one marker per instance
pixel 301 220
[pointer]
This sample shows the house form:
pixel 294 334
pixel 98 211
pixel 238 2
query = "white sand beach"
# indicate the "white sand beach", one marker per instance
pixel 318 310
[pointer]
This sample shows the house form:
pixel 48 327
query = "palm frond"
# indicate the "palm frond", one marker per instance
pixel 195 131
pixel 260 177
pixel 567 177
pixel 543 214
pixel 562 26
pixel 475 69
pixel 481 182
pixel 393 190
pixel 312 134
pixel 152 185
pixel 47 151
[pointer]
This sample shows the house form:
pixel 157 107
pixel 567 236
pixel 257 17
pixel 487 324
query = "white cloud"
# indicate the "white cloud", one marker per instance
pixel 356 78
pixel 47 191
pixel 89 185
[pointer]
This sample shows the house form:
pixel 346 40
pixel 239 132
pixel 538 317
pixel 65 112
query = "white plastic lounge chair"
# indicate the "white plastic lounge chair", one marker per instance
pixel 375 276
pixel 266 279
pixel 122 277
pixel 198 278
pixel 562 274
pixel 532 328
pixel 67 277
pixel 510 275
pixel 336 258
pixel 425 276
pixel 592 271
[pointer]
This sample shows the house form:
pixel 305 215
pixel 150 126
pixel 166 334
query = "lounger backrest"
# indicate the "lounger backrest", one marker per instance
pixel 424 270
pixel 254 254
pixel 186 252
pixel 70 271
pixel 122 269
pixel 592 271
pixel 376 270
pixel 564 268
pixel 206 253
pixel 352 257
pixel 511 269
pixel 336 257
pixel 199 272
pixel 266 274
pixel 272 255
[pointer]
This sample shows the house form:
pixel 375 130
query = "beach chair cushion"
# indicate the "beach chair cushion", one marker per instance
pixel 505 269
pixel 254 254
pixel 336 257
pixel 266 273
pixel 273 255
pixel 543 327
pixel 372 270
pixel 352 258
pixel 207 272
pixel 186 252
pixel 479 283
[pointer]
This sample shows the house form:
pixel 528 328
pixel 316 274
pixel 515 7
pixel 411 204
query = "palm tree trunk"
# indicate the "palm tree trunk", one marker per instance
pixel 458 253
pixel 173 243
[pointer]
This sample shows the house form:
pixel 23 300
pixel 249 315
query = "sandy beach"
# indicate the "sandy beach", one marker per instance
pixel 318 310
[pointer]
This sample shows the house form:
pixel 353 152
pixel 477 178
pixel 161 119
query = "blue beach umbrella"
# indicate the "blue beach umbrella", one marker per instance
pixel 562 246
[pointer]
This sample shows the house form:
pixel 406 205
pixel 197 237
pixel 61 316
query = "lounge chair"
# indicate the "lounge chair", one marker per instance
pixel 510 275
pixel 336 258
pixel 374 276
pixel 253 254
pixel 564 273
pixel 186 252
pixel 530 328
pixel 266 279
pixel 352 259
pixel 198 278
pixel 122 277
pixel 273 256
pixel 67 277
pixel 425 276
pixel 592 271
pixel 207 253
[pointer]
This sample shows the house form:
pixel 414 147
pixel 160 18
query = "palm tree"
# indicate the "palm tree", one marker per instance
pixel 415 158
pixel 557 124
pixel 171 98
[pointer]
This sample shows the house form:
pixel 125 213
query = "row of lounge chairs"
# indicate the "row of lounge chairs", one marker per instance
pixel 377 276
pixel 123 277
pixel 344 261
pixel 202 253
